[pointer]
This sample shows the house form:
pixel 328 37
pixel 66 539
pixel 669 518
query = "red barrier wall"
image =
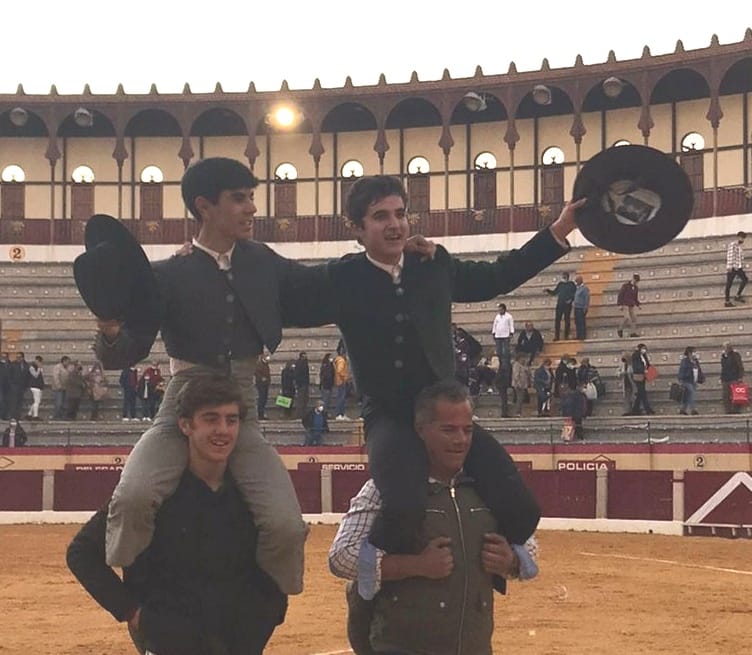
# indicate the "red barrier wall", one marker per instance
pixel 646 495
pixel 734 507
pixel 308 487
pixel 345 484
pixel 83 490
pixel 563 494
pixel 20 491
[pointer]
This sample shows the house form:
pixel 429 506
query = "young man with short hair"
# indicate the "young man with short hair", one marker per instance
pixel 564 292
pixel 440 599
pixel 197 588
pixel 627 300
pixel 394 311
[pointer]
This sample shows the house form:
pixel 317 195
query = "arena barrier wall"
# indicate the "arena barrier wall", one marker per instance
pixel 583 494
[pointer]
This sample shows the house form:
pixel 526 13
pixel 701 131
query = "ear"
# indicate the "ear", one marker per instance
pixel 202 206
pixel 185 425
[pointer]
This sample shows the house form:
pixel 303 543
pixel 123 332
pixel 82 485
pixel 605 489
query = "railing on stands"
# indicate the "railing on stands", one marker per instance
pixel 498 220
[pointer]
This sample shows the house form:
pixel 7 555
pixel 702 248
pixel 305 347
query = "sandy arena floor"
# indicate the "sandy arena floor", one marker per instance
pixel 597 593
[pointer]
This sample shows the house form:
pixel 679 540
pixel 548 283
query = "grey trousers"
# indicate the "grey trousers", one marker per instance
pixel 157 462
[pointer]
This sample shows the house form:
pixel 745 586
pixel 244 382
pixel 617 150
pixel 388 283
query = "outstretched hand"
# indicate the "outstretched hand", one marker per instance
pixel 566 222
pixel 422 246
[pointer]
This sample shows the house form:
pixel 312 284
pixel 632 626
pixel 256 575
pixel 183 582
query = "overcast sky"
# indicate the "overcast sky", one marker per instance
pixel 139 42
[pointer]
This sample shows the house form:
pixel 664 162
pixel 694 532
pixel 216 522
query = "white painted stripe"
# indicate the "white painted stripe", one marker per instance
pixel 736 480
pixel 668 561
pixel 334 652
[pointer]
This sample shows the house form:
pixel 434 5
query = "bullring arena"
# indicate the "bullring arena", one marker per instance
pixel 645 538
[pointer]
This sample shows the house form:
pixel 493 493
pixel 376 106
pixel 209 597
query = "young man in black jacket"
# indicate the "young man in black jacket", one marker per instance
pixel 197 589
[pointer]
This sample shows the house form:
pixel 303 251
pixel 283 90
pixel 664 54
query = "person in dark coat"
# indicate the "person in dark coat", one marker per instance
pixel 316 424
pixel 262 379
pixel 326 380
pixel 14 435
pixel 640 363
pixel 530 342
pixel 302 384
pixel 574 406
pixel 197 588
pixel 564 292
pixel 18 383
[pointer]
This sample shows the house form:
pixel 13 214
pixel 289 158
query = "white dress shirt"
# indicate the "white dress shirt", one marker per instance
pixel 503 326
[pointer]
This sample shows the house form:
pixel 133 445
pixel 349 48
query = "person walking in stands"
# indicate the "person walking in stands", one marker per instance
pixel 96 384
pixel 4 386
pixel 36 384
pixel 18 383
pixel 262 379
pixel 129 385
pixel 60 374
pixel 564 292
pixel 287 385
pixel 690 375
pixel 627 300
pixel 316 424
pixel 735 268
pixel 543 381
pixel 521 381
pixel 326 380
pixel 75 388
pixel 148 391
pixel 624 374
pixel 302 384
pixel 588 374
pixel 341 382
pixel 640 363
pixel 530 342
pixel 581 305
pixel 732 370
pixel 503 331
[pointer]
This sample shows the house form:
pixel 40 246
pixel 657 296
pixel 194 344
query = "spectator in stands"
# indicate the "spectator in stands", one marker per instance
pixel 129 384
pixel 624 374
pixel 732 370
pixel 466 344
pixel 60 374
pixel 564 292
pixel 4 386
pixel 486 373
pixel 316 424
pixel 565 376
pixel 341 381
pixel 690 375
pixel 543 381
pixel 197 589
pixel 18 384
pixel 302 384
pixel 287 385
pixel 530 342
pixel 147 391
pixel 96 385
pixel 262 378
pixel 521 381
pixel 503 383
pixel 326 380
pixel 36 385
pixel 503 331
pixel 735 268
pixel 14 435
pixel 627 300
pixel 574 406
pixel 588 375
pixel 75 388
pixel 581 306
pixel 640 364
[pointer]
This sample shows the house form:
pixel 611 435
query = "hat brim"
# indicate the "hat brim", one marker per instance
pixel 113 275
pixel 639 199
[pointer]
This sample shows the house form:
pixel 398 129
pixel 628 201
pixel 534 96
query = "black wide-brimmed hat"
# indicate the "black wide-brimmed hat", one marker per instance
pixel 114 276
pixel 639 199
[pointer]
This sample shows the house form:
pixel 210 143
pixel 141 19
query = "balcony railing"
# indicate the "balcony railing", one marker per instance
pixel 521 218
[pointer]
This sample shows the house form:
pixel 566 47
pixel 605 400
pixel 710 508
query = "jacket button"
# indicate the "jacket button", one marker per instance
pixel 230 298
pixel 399 339
pixel 442 604
pixel 397 363
pixel 399 318
pixel 399 291
pixel 229 319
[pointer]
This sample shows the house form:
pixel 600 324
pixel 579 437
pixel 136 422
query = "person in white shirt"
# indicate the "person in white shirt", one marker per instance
pixel 503 331
pixel 735 268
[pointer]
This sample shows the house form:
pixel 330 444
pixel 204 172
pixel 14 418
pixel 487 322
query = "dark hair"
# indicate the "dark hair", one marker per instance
pixel 425 402
pixel 688 351
pixel 741 235
pixel 368 190
pixel 501 305
pixel 209 390
pixel 207 178
pixel 636 277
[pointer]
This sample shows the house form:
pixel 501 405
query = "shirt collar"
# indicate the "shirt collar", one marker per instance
pixel 394 270
pixel 212 253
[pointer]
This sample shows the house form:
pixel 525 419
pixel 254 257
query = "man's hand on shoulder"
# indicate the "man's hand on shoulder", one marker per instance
pixel 422 246
pixel 185 249
pixel 498 558
pixel 110 329
pixel 436 559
